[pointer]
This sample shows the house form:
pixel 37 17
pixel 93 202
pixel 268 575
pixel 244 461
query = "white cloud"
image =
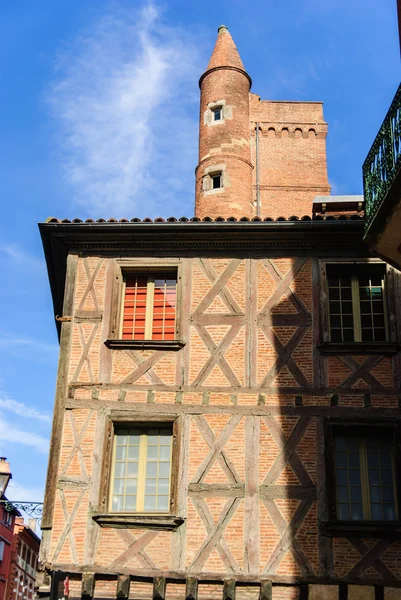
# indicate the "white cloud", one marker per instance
pixel 15 435
pixel 28 349
pixel 125 99
pixel 16 491
pixel 21 409
pixel 18 256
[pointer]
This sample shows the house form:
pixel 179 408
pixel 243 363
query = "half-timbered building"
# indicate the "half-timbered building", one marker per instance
pixel 227 406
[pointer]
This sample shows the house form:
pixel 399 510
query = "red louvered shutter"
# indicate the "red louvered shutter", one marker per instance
pixel 164 306
pixel 135 307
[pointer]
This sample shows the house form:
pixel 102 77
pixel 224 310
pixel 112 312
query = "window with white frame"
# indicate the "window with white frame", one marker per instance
pixel 141 468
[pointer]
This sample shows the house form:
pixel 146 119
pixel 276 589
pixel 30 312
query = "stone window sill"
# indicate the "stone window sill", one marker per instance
pixel 373 529
pixel 359 348
pixel 173 345
pixel 121 521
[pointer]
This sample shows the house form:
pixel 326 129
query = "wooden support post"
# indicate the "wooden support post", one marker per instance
pixel 266 592
pixel 88 585
pixel 159 588
pixel 343 591
pixel 191 590
pixel 303 591
pixel 229 589
pixel 123 585
pixel 379 592
pixel 61 392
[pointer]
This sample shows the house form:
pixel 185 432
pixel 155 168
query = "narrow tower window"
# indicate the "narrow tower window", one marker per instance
pixel 217 114
pixel 216 181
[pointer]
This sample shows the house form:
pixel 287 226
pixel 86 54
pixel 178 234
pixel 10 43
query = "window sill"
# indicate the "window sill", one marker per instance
pixel 158 522
pixel 359 348
pixel 373 529
pixel 173 345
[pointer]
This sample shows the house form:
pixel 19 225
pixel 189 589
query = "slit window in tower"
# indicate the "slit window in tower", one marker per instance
pixel 217 114
pixel 216 181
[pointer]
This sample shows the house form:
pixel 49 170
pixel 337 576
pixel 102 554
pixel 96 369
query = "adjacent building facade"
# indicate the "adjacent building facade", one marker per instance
pixel 227 406
pixel 23 561
pixel 7 519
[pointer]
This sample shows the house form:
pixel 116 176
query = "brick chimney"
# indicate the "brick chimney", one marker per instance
pixel 224 171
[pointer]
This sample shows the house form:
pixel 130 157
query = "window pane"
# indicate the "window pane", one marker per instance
pixel 387 477
pixel 374 477
pixel 150 487
pixel 367 335
pixel 343 512
pixel 375 494
pixel 388 494
pixel 133 452
pixel 340 443
pixel 353 460
pixel 354 477
pixel 356 494
pixel 342 477
pixel 119 469
pixel 130 503
pixel 150 503
pixel 131 486
pixel 389 512
pixel 141 452
pixel 373 460
pixel 164 306
pixel 119 486
pixel 121 452
pixel 162 503
pixel 132 469
pixel 341 460
pixel 151 469
pixel 342 494
pixel 348 479
pixel 348 335
pixel 376 512
pixel 164 469
pixel 164 486
pixel 117 503
pixel 356 512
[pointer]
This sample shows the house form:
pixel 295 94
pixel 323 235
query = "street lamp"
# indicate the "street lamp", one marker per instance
pixel 5 475
pixel 33 509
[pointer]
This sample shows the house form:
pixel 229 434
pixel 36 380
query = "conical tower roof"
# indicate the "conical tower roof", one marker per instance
pixel 225 53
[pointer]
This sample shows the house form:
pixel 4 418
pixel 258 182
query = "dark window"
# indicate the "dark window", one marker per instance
pixel 217 114
pixel 357 308
pixel 365 483
pixel 216 180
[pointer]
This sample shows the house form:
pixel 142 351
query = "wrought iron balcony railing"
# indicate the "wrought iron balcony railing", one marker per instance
pixel 383 161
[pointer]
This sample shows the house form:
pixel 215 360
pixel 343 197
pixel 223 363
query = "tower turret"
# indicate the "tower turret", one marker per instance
pixel 224 171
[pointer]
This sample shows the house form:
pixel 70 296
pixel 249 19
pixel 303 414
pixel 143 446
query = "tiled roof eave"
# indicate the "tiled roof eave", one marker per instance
pixel 205 220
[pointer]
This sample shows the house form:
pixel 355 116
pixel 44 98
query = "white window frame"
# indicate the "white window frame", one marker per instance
pixel 141 478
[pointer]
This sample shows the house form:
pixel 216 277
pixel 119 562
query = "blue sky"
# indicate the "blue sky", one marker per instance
pixel 99 109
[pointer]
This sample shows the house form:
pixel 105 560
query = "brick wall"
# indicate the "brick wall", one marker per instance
pixel 247 398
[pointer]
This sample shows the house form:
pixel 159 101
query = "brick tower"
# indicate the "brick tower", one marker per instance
pixel 224 171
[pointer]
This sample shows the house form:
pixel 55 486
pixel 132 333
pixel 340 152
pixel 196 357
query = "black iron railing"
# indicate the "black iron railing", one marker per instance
pixel 383 161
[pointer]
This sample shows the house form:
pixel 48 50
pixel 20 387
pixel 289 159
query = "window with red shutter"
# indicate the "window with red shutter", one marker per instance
pixel 150 306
